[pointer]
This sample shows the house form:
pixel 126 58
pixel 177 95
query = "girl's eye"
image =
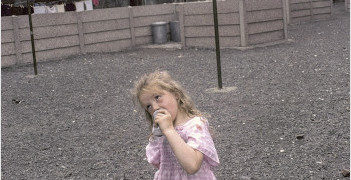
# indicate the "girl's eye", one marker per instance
pixel 157 97
pixel 148 107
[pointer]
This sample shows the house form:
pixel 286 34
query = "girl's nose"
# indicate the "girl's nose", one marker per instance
pixel 155 107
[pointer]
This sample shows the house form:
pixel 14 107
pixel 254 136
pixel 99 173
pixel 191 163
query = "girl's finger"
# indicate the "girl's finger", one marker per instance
pixel 163 111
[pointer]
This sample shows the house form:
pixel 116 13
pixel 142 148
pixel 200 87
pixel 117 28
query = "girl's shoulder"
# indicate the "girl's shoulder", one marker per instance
pixel 196 121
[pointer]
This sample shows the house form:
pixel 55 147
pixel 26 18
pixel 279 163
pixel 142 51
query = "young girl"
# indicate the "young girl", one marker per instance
pixel 185 150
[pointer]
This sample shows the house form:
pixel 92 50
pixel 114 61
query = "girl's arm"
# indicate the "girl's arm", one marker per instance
pixel 189 158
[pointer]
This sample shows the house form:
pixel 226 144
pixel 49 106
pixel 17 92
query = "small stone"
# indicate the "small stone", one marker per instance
pixel 345 173
pixel 16 101
pixel 300 136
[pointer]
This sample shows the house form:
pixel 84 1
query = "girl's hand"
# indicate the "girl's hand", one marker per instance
pixel 164 120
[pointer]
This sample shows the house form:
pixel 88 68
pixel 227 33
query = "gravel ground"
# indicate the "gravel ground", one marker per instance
pixel 287 119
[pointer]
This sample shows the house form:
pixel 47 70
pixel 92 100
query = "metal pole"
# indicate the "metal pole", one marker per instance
pixel 32 38
pixel 218 55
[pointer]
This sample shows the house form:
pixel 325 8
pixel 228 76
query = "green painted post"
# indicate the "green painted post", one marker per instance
pixel 218 54
pixel 32 37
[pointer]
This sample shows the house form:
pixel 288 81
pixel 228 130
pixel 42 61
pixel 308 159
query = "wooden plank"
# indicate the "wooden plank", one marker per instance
pixel 111 46
pixel 147 21
pixel 153 10
pixel 264 15
pixel 93 38
pixel 207 19
pixel 97 26
pixel 208 31
pixel 266 37
pixel 206 7
pixel 105 14
pixel 265 26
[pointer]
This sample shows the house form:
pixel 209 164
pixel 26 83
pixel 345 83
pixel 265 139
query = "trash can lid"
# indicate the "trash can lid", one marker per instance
pixel 158 23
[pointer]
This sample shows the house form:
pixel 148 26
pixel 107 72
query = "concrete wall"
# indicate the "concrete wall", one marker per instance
pixel 56 35
pixel 63 34
pixel 347 5
pixel 307 10
pixel 242 23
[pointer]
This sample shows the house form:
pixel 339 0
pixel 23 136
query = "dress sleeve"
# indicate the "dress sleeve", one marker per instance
pixel 153 151
pixel 200 139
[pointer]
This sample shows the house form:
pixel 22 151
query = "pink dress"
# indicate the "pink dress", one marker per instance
pixel 196 134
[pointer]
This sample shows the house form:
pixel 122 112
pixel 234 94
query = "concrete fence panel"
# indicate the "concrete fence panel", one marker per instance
pixel 198 24
pixel 8 49
pixel 108 25
pixel 110 46
pixel 209 42
pixel 207 19
pixel 144 16
pixel 45 32
pixel 256 5
pixel 7 36
pixel 6 23
pixel 265 21
pixel 223 7
pixel 52 34
pixel 8 44
pixel 104 30
pixel 208 31
pixel 155 10
pixel 104 14
pixel 39 20
pixel 105 36
pixel 50 54
pixel 309 10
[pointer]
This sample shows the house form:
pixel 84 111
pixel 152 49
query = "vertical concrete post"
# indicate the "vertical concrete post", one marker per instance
pixel 80 32
pixel 287 8
pixel 175 13
pixel 285 21
pixel 131 26
pixel 180 12
pixel 347 5
pixel 311 9
pixel 17 39
pixel 243 23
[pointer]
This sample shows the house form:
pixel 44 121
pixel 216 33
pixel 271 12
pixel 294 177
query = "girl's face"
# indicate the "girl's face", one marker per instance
pixel 164 100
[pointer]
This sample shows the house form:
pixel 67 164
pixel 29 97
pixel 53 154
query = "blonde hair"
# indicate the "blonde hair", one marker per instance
pixel 158 81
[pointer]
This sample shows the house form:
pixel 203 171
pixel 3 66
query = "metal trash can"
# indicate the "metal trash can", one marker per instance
pixel 174 27
pixel 159 32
